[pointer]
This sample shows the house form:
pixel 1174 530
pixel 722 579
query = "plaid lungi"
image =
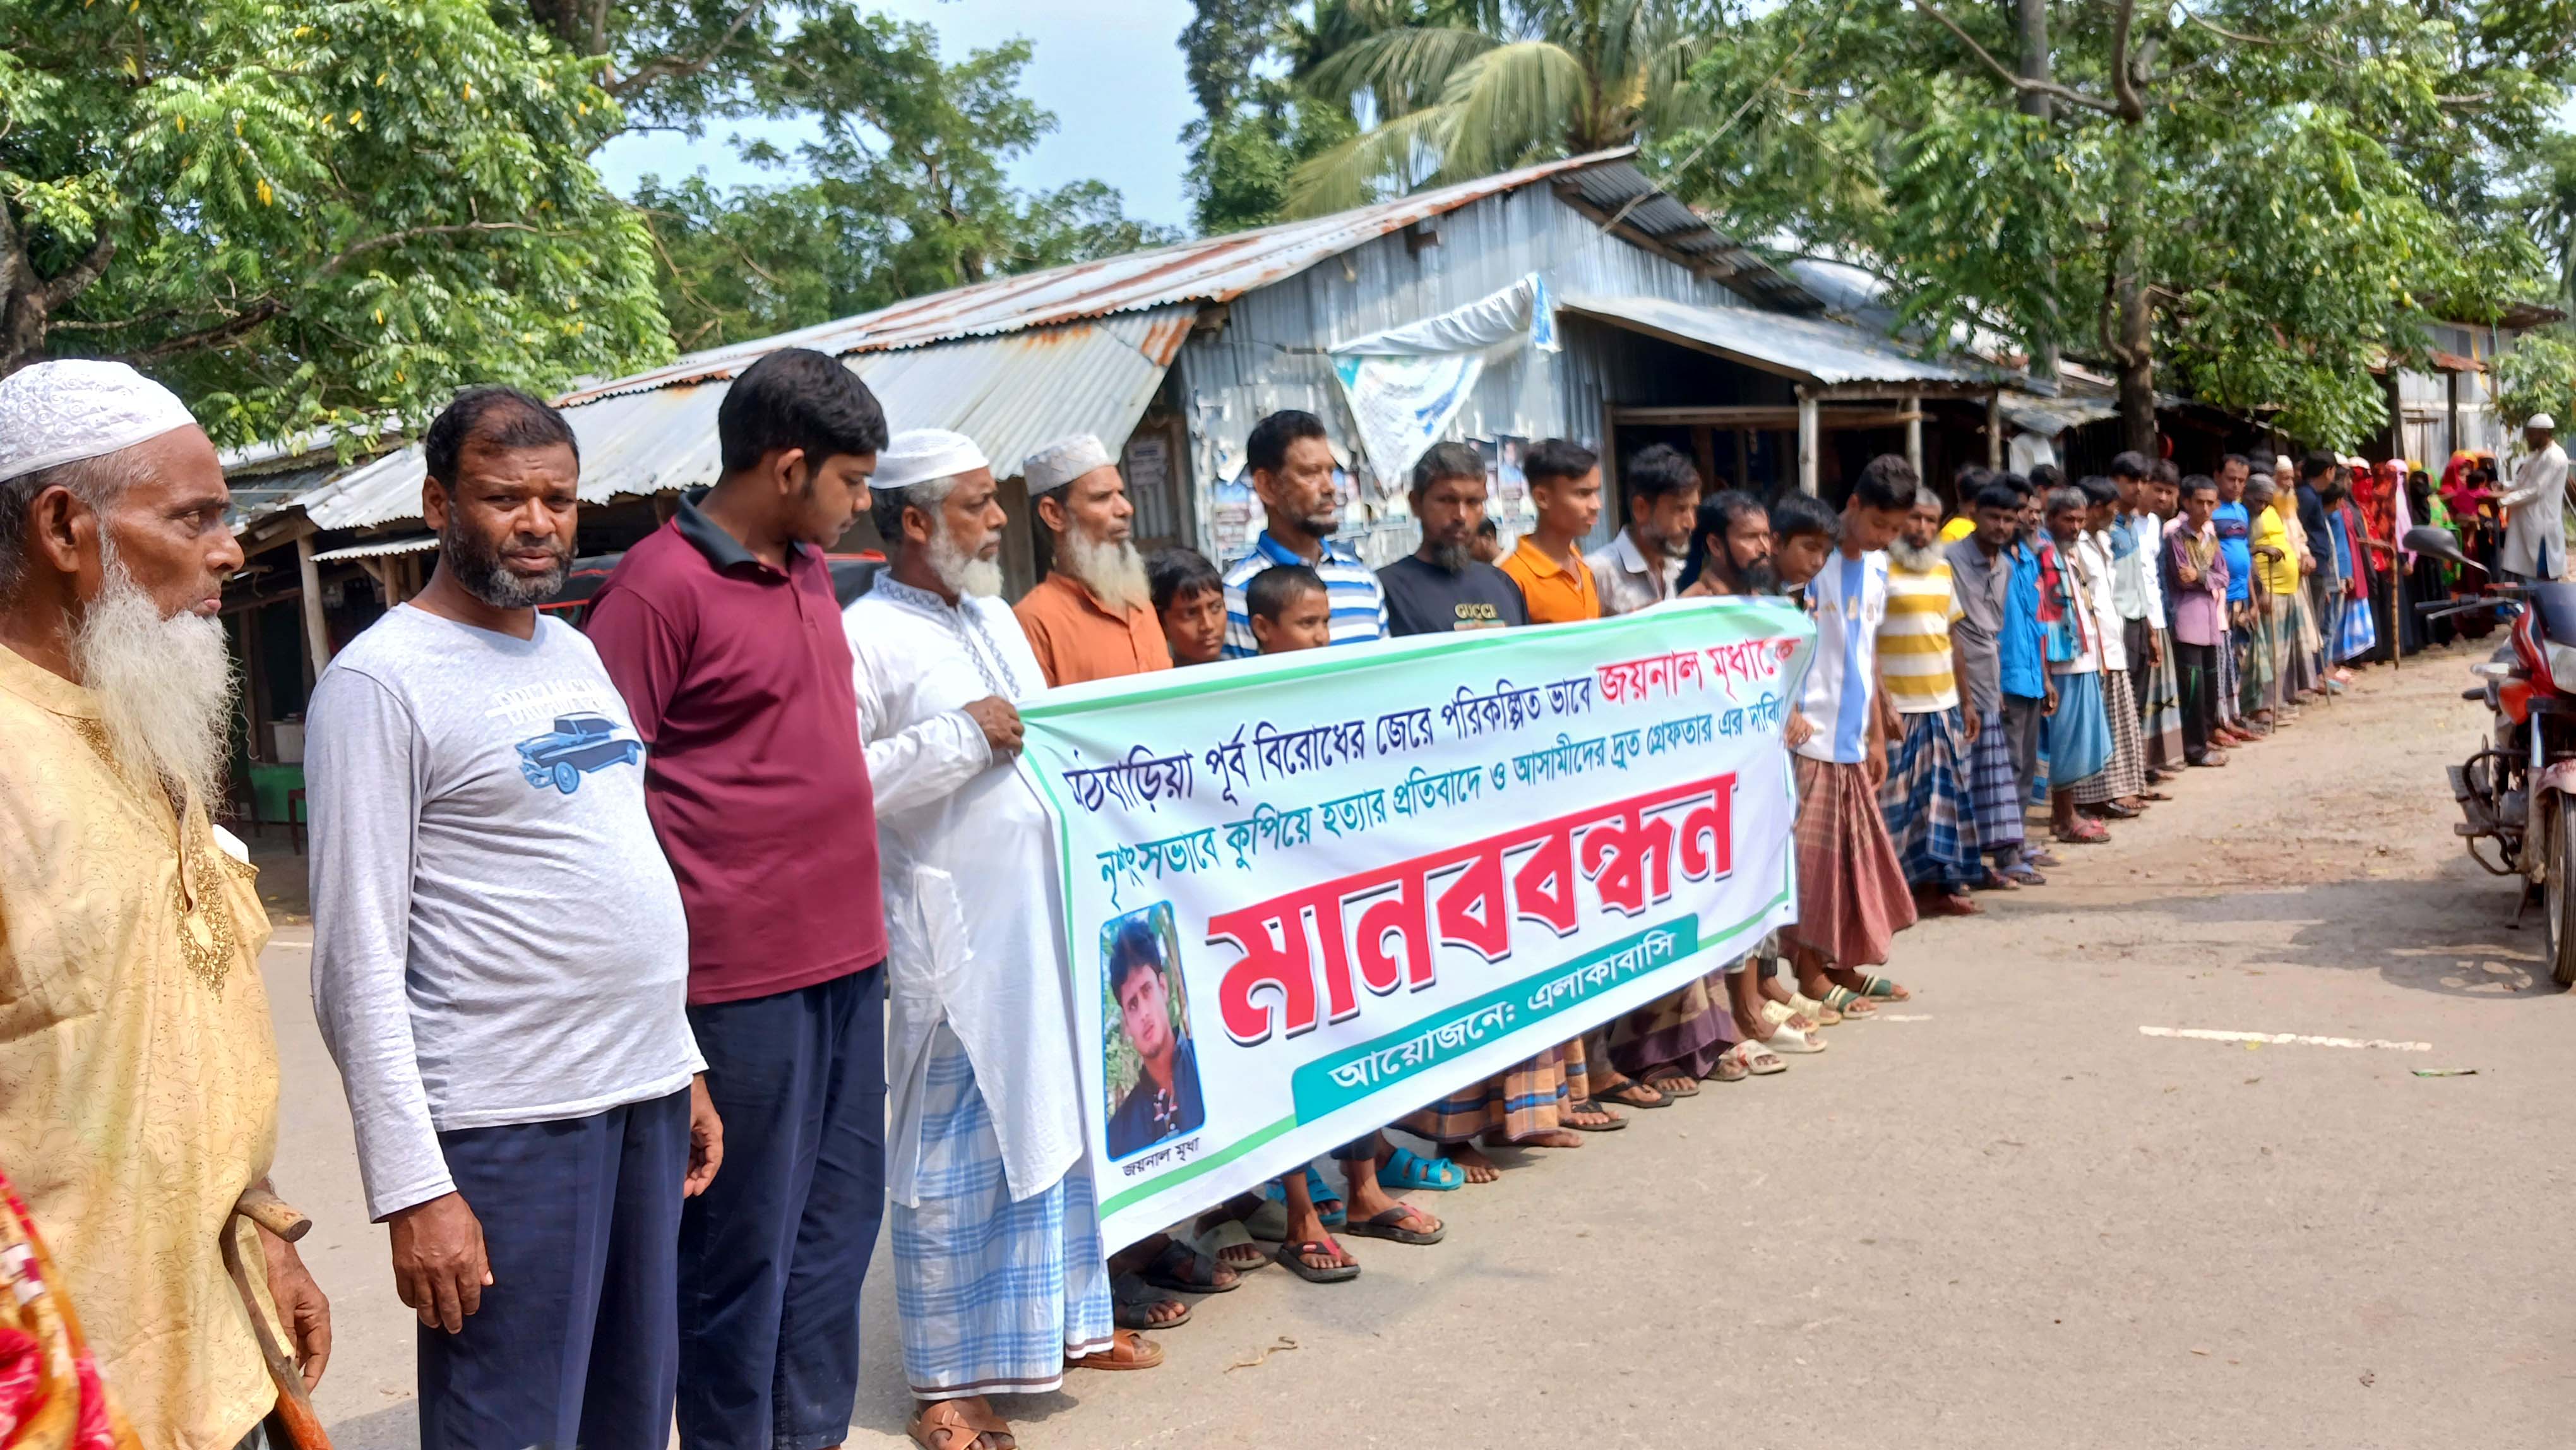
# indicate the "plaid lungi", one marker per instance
pixel 2260 686
pixel 1686 1032
pixel 2360 632
pixel 1994 785
pixel 2125 776
pixel 2298 648
pixel 1926 804
pixel 1852 897
pixel 1522 1100
pixel 994 1294
pixel 2160 714
pixel 2229 672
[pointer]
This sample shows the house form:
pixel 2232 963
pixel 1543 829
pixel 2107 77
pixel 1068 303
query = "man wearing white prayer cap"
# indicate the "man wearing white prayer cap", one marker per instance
pixel 1000 1279
pixel 1093 616
pixel 138 1077
pixel 2535 539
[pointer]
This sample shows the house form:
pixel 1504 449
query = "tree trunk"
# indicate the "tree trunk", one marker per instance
pixel 2137 358
pixel 2030 28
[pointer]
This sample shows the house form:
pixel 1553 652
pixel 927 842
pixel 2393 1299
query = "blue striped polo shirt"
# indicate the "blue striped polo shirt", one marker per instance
pixel 1359 604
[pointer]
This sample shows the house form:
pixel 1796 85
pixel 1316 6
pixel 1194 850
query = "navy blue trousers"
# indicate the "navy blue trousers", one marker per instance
pixel 577 1340
pixel 773 1254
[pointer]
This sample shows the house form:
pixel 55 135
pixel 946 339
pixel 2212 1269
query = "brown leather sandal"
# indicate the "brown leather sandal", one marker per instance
pixel 957 1424
pixel 1127 1350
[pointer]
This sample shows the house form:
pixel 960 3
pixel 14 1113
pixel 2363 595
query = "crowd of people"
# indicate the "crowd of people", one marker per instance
pixel 665 959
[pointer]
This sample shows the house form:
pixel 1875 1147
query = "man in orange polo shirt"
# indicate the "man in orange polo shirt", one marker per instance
pixel 1565 486
pixel 1093 618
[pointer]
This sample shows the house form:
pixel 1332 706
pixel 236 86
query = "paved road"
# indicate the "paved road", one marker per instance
pixel 2012 1221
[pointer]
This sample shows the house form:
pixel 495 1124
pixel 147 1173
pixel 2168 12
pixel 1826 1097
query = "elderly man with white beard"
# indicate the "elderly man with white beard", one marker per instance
pixel 1093 618
pixel 999 1276
pixel 138 1076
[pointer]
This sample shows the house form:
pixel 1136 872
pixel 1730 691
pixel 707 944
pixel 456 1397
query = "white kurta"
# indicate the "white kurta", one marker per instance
pixel 966 850
pixel 2533 533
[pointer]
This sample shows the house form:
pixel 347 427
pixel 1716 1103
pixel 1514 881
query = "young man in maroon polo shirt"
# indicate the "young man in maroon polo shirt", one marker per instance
pixel 721 632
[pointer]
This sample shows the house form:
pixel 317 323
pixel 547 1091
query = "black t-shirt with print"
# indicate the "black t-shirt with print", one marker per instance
pixel 1426 599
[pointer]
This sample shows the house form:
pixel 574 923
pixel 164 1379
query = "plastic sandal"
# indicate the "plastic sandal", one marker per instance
pixel 1291 1258
pixel 1391 1225
pixel 1635 1094
pixel 1790 1039
pixel 1565 1118
pixel 1132 1302
pixel 1849 1003
pixel 950 1424
pixel 1181 1269
pixel 1757 1059
pixel 1127 1350
pixel 1883 990
pixel 1407 1171
pixel 1230 1234
pixel 1316 1193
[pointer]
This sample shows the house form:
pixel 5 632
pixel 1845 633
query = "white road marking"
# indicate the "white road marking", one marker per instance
pixel 2207 1034
pixel 1892 1017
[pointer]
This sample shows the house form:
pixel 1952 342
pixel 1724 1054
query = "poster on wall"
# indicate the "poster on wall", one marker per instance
pixel 1308 893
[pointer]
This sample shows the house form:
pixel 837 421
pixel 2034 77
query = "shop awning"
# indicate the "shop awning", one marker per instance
pixel 1821 354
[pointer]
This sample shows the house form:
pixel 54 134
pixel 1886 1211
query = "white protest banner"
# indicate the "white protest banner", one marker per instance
pixel 1309 893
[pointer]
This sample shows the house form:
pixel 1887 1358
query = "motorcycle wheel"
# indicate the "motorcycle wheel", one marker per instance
pixel 2558 895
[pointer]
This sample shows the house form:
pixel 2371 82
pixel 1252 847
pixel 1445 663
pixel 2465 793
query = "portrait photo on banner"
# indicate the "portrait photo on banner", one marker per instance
pixel 1149 1063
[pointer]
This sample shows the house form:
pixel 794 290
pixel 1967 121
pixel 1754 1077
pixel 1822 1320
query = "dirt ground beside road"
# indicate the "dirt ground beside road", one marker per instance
pixel 2007 1219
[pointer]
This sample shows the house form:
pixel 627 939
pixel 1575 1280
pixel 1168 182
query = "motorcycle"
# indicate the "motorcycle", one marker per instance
pixel 2519 789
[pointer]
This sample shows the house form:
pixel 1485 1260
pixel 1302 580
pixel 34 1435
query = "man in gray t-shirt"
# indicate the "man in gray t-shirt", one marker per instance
pixel 501 965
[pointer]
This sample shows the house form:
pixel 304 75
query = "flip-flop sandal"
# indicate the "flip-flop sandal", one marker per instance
pixel 1390 1225
pixel 1230 1234
pixel 1127 1350
pixel 1676 1085
pixel 1132 1303
pixel 956 1424
pixel 1635 1094
pixel 1849 1003
pixel 2026 876
pixel 1565 1118
pixel 1880 989
pixel 1182 1269
pixel 1755 1059
pixel 1289 1257
pixel 1406 1171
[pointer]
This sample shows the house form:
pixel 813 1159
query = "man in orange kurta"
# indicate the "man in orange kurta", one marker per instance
pixel 1093 618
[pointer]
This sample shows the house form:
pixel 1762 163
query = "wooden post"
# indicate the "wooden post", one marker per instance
pixel 1995 431
pixel 317 635
pixel 1914 432
pixel 1806 444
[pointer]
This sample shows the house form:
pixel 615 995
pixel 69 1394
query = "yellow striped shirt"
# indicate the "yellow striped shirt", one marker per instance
pixel 1914 642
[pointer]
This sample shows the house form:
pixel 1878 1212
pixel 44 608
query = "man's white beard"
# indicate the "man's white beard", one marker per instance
pixel 964 575
pixel 1913 556
pixel 1114 573
pixel 164 686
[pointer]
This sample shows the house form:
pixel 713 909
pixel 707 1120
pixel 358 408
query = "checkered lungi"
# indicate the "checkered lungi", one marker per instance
pixel 1994 785
pixel 2160 713
pixel 2230 673
pixel 2125 775
pixel 994 1294
pixel 1852 896
pixel 1525 1099
pixel 1925 801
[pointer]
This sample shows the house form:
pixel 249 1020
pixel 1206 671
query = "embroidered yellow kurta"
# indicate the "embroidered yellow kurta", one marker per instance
pixel 138 1076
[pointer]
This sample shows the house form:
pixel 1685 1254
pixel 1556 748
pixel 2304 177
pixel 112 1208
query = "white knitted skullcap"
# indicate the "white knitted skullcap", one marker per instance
pixel 64 411
pixel 919 455
pixel 1063 461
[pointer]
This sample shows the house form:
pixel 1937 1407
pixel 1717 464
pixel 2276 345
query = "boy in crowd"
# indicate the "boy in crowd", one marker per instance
pixel 1852 896
pixel 1981 569
pixel 2119 792
pixel 1291 609
pixel 1189 600
pixel 1565 488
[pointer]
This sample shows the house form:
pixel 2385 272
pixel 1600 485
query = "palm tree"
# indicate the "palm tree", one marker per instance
pixel 1465 88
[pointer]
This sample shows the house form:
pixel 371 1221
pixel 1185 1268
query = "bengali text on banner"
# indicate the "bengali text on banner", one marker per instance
pixel 1307 894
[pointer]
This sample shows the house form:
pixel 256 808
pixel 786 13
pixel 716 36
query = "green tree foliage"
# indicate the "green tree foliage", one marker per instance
pixel 2259 197
pixel 323 214
pixel 1464 88
pixel 905 192
pixel 1255 125
pixel 2538 376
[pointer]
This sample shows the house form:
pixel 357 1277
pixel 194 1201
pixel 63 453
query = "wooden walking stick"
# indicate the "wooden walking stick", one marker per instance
pixel 295 1424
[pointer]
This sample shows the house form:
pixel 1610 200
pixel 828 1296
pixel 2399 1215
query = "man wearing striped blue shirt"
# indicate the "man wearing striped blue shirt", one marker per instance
pixel 1292 472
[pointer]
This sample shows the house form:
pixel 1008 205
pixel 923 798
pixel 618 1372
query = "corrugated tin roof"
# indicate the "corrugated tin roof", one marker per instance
pixel 1013 394
pixel 379 549
pixel 2033 413
pixel 1220 269
pixel 1810 349
pixel 1624 193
